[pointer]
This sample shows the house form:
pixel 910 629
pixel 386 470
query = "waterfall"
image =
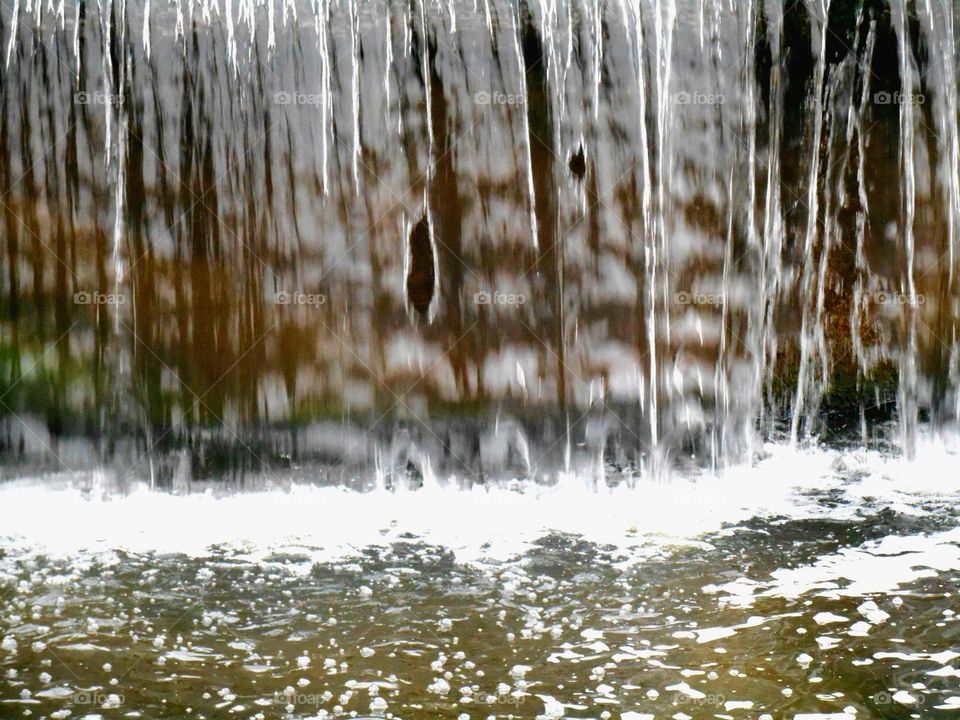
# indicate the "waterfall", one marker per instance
pixel 644 233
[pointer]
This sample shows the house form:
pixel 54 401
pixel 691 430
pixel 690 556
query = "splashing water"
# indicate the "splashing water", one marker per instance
pixel 825 594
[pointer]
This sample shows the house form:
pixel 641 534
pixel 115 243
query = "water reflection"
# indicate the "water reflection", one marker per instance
pixel 563 631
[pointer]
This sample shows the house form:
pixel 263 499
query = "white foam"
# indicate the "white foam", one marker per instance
pixel 498 522
pixel 874 568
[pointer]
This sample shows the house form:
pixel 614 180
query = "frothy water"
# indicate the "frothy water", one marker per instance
pixel 64 513
pixel 816 584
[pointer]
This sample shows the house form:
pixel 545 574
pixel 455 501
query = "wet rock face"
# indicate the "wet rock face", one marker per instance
pixel 700 226
pixel 421 281
pixel 578 164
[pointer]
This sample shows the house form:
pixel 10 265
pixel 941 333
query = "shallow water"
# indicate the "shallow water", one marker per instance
pixel 455 332
pixel 830 594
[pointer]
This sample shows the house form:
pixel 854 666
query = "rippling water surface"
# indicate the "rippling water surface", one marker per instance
pixel 829 593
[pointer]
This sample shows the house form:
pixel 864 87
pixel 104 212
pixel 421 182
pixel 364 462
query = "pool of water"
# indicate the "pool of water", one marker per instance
pixel 815 584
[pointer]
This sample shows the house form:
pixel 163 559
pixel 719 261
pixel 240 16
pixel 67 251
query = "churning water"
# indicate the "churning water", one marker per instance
pixel 816 584
pixel 479 359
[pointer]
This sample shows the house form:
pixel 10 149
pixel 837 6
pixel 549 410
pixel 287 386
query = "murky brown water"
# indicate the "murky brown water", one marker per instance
pixel 853 612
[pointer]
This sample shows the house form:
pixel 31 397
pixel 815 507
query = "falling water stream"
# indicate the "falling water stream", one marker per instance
pixel 655 233
pixel 479 358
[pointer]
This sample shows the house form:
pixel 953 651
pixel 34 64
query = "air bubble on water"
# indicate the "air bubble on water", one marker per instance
pixel 872 613
pixel 904 698
pixel 439 686
pixel 517 672
pixel 552 709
